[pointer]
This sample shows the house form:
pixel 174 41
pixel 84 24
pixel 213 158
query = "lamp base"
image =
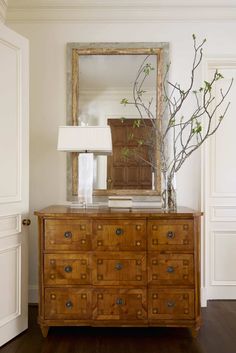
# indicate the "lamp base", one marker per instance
pixel 85 180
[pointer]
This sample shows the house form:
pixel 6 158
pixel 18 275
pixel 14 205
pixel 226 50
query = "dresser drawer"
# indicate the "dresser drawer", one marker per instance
pixel 119 235
pixel 62 269
pixel 67 303
pixel 67 234
pixel 119 304
pixel 170 269
pixel 177 235
pixel 170 304
pixel 113 268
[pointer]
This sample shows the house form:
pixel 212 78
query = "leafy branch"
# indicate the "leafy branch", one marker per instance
pixel 182 133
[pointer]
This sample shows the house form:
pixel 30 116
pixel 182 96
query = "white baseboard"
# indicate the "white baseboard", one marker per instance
pixel 33 293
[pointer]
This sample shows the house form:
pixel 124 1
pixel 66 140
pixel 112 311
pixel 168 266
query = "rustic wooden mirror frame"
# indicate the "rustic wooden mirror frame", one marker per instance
pixel 74 50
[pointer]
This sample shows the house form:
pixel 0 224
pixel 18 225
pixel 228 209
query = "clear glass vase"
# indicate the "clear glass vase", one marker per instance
pixel 169 202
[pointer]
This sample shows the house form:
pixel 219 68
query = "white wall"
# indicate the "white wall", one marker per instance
pixel 48 97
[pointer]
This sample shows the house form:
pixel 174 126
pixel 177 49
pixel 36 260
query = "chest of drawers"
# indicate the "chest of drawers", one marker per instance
pixel 106 267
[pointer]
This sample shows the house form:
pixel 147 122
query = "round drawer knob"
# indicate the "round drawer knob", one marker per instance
pixel 119 266
pixel 53 296
pixel 170 235
pixel 69 304
pixel 52 276
pixel 138 243
pixel 170 269
pixel 83 241
pixel 120 301
pixel 68 269
pixel 68 235
pixel 119 231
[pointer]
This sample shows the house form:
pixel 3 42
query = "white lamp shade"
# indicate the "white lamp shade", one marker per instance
pixel 94 139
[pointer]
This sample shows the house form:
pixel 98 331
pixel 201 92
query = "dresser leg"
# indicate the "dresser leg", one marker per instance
pixel 44 330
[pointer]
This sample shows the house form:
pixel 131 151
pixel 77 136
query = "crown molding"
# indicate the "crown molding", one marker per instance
pixel 3 10
pixel 123 11
pixel 116 3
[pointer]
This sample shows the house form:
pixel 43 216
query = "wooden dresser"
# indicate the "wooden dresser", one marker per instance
pixel 107 267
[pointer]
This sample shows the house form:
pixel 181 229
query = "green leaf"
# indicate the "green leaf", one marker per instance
pixel 141 92
pixel 207 86
pixel 131 136
pixel 198 129
pixel 147 69
pixel 136 123
pixel 125 152
pixel 140 142
pixel 124 101
pixel 218 75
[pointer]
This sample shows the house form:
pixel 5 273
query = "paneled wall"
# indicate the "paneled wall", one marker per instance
pixel 219 198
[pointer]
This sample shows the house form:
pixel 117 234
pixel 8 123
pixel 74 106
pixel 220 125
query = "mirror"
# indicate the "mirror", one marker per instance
pixel 100 76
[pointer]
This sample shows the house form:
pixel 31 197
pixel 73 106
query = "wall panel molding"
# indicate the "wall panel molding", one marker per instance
pixel 3 10
pixel 122 11
pixel 223 213
pixel 219 195
pixel 15 196
pixel 17 312
pixel 224 235
pixel 10 225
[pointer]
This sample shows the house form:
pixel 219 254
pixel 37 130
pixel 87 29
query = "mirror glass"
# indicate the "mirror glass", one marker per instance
pixel 104 81
pixel 100 76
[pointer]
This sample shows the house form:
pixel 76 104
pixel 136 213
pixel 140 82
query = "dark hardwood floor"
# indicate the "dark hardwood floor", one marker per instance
pixel 217 335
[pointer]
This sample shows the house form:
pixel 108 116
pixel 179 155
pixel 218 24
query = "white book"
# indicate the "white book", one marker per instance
pixel 120 201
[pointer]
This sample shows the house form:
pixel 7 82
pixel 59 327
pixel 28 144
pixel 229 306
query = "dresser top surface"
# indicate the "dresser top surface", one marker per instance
pixel 67 211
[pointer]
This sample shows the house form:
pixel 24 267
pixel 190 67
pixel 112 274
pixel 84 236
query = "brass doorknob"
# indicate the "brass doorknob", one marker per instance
pixel 26 222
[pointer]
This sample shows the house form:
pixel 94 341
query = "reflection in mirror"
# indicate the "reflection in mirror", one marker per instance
pixel 104 81
pixel 100 76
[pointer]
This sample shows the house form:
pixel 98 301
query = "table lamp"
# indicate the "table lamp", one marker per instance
pixel 87 141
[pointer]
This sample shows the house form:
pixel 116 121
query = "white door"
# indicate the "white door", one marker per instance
pixel 219 194
pixel 13 183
